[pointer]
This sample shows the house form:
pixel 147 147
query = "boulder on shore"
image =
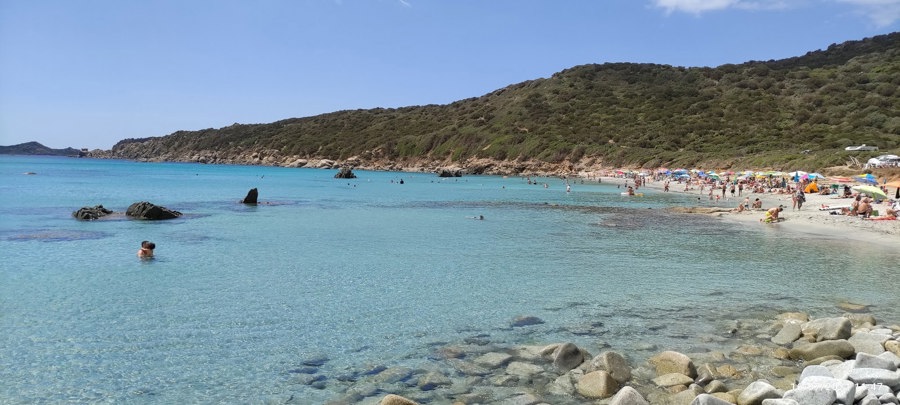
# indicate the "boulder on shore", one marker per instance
pixel 91 213
pixel 252 197
pixel 150 211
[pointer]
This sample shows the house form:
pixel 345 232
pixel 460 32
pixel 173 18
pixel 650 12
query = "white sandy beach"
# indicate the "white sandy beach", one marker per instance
pixel 810 220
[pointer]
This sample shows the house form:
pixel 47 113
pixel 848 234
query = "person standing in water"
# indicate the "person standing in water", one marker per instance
pixel 146 250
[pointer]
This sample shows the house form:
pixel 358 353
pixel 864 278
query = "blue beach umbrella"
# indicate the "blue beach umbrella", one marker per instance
pixel 867 178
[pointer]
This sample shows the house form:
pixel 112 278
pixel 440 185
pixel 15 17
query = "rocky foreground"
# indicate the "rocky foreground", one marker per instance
pixel 850 359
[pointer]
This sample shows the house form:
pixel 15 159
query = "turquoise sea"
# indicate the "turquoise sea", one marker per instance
pixel 343 275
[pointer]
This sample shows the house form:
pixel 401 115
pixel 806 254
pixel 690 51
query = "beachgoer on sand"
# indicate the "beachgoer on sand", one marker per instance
pixel 757 204
pixel 772 214
pixel 800 198
pixel 146 250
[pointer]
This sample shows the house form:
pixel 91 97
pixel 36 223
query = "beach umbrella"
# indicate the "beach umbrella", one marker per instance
pixel 866 178
pixel 816 176
pixel 871 191
pixel 798 173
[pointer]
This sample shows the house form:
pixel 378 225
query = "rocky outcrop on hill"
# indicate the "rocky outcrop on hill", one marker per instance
pixel 150 211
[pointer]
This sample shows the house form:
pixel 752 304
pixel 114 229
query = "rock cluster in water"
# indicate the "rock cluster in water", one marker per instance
pixel 138 210
pixel 345 173
pixel 841 360
pixel 91 213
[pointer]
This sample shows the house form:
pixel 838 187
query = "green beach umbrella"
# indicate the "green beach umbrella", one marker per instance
pixel 871 191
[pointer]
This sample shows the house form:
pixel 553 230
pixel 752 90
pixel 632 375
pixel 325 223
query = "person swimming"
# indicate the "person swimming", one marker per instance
pixel 146 250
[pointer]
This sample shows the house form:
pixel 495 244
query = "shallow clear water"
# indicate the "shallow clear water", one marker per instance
pixel 365 271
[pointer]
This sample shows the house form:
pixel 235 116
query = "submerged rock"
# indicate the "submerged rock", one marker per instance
pixel 520 321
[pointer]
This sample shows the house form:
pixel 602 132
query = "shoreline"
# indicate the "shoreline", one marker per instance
pixel 809 220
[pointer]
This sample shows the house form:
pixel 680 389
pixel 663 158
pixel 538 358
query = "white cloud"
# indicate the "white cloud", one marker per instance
pixel 694 6
pixel 700 6
pixel 882 12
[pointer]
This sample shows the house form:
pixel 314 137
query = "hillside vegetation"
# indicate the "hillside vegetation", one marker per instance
pixel 797 112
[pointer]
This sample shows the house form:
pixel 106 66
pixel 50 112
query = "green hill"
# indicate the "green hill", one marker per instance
pixel 797 112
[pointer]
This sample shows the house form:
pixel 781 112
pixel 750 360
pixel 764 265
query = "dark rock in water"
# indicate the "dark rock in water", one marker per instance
pixel 526 321
pixel 252 197
pixel 315 360
pixel 304 370
pixel 345 173
pixel 449 173
pixel 150 211
pixel 91 213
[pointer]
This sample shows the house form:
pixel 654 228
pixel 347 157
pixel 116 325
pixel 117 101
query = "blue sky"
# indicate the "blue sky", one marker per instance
pixel 90 73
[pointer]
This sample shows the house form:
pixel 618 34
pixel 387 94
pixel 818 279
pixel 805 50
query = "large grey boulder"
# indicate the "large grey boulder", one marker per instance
pixel 789 332
pixel 864 360
pixel 597 385
pixel 828 328
pixel 567 356
pixel 844 390
pixel 150 211
pixel 815 371
pixel 673 362
pixel 628 396
pixel 811 395
pixel 810 351
pixel 756 392
pixel 875 376
pixel 871 343
pixel 615 364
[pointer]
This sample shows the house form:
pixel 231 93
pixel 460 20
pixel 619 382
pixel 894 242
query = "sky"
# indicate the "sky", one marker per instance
pixel 87 74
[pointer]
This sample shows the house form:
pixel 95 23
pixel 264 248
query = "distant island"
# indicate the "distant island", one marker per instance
pixel 34 148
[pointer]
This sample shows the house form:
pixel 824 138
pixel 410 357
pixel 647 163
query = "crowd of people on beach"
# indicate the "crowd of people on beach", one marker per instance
pixel 717 188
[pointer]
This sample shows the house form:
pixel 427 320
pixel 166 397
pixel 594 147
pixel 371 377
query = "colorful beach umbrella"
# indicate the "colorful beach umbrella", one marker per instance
pixel 866 178
pixel 871 191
